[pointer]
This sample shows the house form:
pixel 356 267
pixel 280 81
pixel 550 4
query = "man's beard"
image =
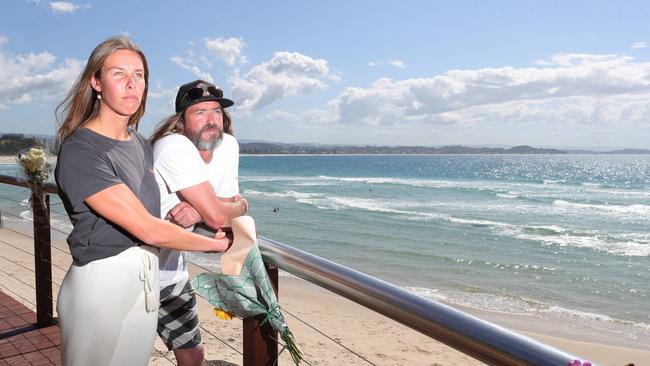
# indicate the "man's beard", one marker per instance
pixel 205 144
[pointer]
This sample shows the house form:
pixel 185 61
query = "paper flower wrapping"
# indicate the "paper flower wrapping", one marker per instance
pixel 244 288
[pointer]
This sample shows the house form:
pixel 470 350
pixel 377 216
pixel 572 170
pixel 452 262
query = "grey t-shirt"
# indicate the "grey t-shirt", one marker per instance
pixel 88 163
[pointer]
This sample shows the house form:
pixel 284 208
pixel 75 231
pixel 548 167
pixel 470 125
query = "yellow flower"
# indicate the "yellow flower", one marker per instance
pixel 223 315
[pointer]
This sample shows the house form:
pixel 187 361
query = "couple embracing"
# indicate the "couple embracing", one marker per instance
pixel 131 205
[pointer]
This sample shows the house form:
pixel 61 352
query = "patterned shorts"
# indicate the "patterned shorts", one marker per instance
pixel 178 320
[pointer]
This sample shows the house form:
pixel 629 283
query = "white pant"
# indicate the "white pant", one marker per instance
pixel 108 310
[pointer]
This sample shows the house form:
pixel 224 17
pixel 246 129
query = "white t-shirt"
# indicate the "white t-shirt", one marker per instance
pixel 178 165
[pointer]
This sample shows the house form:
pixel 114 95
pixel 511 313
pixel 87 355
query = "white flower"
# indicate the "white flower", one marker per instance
pixel 34 164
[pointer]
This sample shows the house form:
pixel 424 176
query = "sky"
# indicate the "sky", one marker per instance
pixel 506 73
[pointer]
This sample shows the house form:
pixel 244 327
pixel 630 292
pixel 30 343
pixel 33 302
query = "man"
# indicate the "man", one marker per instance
pixel 196 167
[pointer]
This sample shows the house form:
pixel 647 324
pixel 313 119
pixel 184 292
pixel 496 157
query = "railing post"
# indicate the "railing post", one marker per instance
pixel 260 343
pixel 42 257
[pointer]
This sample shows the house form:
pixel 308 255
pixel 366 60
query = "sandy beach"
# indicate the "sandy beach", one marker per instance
pixel 10 159
pixel 373 337
pixel 4 159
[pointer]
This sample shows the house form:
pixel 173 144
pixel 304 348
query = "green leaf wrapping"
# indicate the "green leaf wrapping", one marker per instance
pixel 248 294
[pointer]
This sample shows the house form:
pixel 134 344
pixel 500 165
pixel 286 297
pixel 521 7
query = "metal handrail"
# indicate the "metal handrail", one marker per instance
pixel 485 341
pixel 47 187
pixel 480 339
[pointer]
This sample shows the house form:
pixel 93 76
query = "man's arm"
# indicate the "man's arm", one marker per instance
pixel 180 169
pixel 214 211
pixel 234 198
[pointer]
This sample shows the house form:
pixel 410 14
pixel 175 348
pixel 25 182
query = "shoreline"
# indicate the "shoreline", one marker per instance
pixel 9 159
pixel 5 159
pixel 358 328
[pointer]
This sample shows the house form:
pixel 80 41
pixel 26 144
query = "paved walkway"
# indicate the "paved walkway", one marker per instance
pixel 21 343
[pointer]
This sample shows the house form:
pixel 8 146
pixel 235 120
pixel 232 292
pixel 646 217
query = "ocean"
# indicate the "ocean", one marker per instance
pixel 560 240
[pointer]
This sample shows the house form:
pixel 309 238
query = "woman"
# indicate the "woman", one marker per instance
pixel 108 301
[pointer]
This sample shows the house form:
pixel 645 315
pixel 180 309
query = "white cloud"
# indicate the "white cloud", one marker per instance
pixel 228 50
pixel 163 98
pixel 190 65
pixel 639 45
pixel 395 63
pixel 575 110
pixel 199 62
pixel 286 73
pixel 3 40
pixel 60 7
pixel 280 116
pixel 28 77
pixel 158 91
pixel 576 86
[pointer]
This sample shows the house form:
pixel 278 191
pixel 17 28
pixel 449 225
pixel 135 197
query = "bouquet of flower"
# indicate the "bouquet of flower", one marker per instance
pixel 34 165
pixel 243 288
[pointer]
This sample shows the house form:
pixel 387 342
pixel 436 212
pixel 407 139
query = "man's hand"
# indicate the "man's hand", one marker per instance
pixel 184 215
pixel 242 202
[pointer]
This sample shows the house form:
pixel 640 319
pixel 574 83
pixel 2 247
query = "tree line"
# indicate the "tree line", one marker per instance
pixel 12 143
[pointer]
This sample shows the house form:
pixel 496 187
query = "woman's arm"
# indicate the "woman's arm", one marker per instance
pixel 119 205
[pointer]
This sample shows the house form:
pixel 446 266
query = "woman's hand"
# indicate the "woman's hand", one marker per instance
pixel 222 237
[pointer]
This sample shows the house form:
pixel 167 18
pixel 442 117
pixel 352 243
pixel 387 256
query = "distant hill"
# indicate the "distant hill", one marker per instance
pixel 11 143
pixel 283 148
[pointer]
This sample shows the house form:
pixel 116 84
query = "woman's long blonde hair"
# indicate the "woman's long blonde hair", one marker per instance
pixel 81 103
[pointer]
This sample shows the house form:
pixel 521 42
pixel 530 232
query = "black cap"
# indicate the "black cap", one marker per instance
pixel 187 96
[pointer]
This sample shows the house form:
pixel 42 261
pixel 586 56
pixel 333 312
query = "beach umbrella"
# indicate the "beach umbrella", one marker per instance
pixel 243 289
